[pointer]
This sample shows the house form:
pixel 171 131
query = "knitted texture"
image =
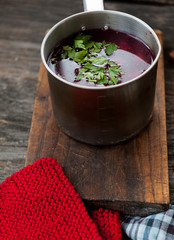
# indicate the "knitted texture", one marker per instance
pixel 105 221
pixel 39 202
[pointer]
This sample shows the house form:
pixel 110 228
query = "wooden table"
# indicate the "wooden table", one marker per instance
pixel 22 27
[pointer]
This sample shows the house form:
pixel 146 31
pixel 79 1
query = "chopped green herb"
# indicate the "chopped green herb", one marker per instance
pixel 114 70
pixel 67 48
pixel 64 54
pixel 79 44
pixel 79 56
pixel 89 44
pixel 96 50
pixel 111 63
pixel 71 54
pixel 104 44
pixel 110 48
pixel 84 38
pixel 89 75
pixel 93 68
pixel 103 80
pixel 79 77
pixel 98 44
pixel 98 60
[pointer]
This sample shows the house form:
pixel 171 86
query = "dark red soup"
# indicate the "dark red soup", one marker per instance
pixel 100 58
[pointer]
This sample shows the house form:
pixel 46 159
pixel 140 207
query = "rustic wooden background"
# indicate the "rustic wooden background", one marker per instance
pixel 22 28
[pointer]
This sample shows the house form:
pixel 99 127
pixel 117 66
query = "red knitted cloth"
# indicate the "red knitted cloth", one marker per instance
pixel 39 202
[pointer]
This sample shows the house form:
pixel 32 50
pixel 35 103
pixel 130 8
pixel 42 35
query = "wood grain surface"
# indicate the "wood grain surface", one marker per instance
pixel 155 1
pixel 22 28
pixel 131 177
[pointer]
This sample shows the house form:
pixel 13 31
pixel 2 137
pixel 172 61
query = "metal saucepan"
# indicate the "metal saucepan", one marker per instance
pixel 102 115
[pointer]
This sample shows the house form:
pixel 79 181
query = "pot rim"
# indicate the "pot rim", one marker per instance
pixel 58 77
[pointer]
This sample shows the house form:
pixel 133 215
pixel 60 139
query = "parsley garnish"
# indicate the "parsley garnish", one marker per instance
pixel 110 48
pixel 93 68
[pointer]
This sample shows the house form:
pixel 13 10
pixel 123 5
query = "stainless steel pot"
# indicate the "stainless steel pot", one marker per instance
pixel 102 115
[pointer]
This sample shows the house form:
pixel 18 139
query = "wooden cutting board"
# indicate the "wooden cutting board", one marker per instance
pixel 131 177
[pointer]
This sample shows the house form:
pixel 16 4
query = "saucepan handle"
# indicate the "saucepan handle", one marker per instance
pixel 91 5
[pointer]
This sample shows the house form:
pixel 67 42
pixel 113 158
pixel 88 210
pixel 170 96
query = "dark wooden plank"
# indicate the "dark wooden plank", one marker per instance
pixel 152 1
pixel 22 24
pixel 157 1
pixel 162 18
pixel 22 27
pixel 131 177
